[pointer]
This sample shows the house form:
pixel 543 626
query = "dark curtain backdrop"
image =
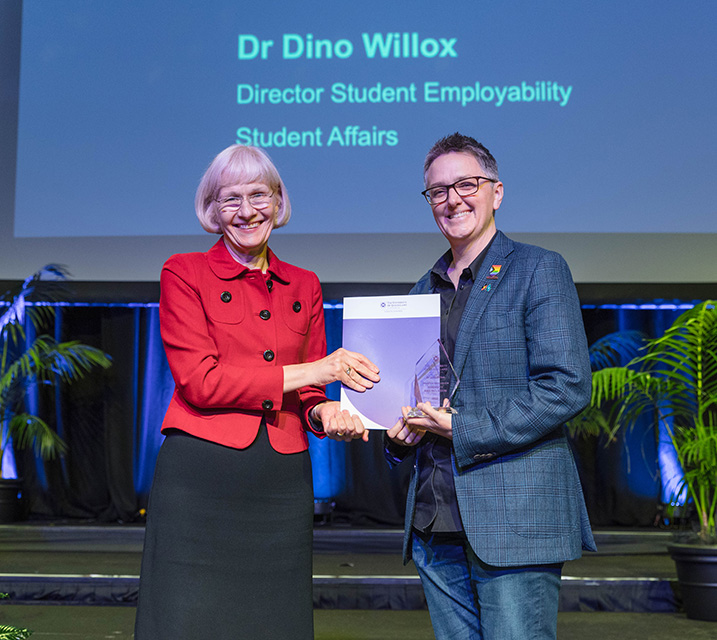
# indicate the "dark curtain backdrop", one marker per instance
pixel 111 422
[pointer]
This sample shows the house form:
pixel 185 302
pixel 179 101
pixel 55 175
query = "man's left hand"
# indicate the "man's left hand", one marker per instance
pixel 435 421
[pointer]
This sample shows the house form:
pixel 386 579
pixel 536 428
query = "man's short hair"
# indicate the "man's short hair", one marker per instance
pixel 458 143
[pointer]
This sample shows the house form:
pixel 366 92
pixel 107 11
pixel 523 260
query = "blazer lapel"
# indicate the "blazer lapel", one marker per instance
pixel 492 272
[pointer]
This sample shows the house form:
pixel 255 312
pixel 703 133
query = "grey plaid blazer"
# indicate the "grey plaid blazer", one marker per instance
pixel 522 359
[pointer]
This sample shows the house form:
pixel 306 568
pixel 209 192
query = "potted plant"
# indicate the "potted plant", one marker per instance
pixel 675 379
pixel 39 360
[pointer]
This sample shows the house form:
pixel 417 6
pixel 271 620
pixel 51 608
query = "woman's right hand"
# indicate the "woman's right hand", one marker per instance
pixel 352 369
pixel 339 425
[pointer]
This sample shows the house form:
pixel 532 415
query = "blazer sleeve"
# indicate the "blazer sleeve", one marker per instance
pixel 201 378
pixel 532 382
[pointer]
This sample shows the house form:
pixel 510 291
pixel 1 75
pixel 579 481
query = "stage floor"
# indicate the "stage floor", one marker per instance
pixel 100 623
pixel 361 589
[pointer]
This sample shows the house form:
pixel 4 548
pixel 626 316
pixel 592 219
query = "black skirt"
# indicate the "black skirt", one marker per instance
pixel 227 551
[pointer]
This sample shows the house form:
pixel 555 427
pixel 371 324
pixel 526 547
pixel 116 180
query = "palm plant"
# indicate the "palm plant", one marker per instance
pixel 675 378
pixel 42 360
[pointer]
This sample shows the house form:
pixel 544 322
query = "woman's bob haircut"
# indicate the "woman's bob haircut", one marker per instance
pixel 238 164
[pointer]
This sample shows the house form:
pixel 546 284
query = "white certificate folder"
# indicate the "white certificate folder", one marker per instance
pixel 395 333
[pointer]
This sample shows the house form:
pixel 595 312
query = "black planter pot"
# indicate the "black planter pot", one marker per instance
pixel 697 576
pixel 11 502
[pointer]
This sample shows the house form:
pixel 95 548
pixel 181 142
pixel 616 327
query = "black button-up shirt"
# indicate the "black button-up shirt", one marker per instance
pixel 436 502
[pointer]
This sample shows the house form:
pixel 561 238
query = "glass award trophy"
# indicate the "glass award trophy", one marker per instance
pixel 434 378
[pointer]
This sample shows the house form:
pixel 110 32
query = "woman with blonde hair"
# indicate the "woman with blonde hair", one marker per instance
pixel 229 530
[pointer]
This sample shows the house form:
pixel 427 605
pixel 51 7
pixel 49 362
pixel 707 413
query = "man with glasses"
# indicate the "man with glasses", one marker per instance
pixel 495 505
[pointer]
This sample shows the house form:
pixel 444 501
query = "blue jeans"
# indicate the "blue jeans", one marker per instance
pixel 468 599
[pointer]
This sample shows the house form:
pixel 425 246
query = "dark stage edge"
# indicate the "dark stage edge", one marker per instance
pixel 354 569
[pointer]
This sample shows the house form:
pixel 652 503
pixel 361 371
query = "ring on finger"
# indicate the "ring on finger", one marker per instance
pixel 348 370
pixel 340 434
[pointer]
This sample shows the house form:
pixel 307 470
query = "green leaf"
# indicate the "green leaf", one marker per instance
pixel 13 633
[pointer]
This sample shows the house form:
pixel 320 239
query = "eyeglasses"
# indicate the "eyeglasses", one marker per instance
pixel 232 204
pixel 464 187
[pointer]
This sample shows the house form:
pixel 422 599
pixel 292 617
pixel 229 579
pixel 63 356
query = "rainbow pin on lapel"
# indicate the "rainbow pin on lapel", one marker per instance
pixel 494 271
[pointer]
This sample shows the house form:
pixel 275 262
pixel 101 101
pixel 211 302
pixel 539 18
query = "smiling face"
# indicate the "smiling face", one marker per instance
pixel 247 230
pixel 467 222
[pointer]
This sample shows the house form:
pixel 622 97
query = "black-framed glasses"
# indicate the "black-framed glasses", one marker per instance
pixel 463 187
pixel 258 200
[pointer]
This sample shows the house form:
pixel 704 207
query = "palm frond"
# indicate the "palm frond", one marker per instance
pixel 29 430
pixel 41 288
pixel 590 422
pixel 47 357
pixel 611 383
pixel 13 633
pixel 616 349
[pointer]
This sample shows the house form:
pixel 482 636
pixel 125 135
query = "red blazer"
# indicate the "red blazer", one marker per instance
pixel 227 331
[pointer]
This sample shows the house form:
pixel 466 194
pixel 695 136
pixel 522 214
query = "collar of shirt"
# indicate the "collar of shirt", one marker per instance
pixel 439 272
pixel 225 267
